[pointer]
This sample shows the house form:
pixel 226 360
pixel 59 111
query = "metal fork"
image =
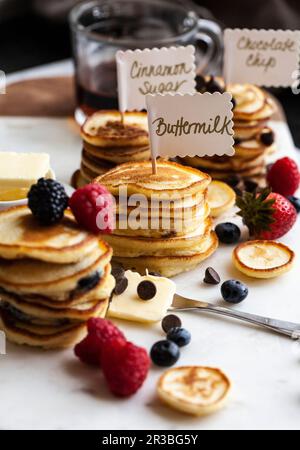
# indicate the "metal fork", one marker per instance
pixel 289 329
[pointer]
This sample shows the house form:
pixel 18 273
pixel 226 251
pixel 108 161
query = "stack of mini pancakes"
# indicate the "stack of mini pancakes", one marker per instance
pixel 162 220
pixel 108 142
pixel 254 140
pixel 52 279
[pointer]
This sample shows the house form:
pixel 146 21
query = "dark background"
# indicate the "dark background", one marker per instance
pixel 29 37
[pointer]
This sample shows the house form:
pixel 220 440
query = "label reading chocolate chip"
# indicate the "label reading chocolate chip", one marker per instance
pixel 211 276
pixel 146 290
pixel 121 286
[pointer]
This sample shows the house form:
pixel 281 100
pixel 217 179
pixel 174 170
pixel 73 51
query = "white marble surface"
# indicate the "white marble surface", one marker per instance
pixel 52 390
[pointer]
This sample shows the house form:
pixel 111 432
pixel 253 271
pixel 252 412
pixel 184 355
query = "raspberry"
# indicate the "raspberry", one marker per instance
pixel 284 177
pixel 104 329
pixel 92 206
pixel 125 367
pixel 89 350
pixel 47 201
pixel 100 331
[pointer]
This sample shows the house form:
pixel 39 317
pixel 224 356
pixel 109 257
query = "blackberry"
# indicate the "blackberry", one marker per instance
pixel 47 201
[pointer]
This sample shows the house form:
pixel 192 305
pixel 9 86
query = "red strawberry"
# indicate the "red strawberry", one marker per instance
pixel 93 208
pixel 267 215
pixel 284 177
pixel 100 331
pixel 125 367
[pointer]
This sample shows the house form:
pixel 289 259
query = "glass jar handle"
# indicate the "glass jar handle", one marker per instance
pixel 210 33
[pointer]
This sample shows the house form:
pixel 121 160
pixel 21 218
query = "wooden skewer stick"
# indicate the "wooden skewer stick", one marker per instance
pixel 122 118
pixel 154 166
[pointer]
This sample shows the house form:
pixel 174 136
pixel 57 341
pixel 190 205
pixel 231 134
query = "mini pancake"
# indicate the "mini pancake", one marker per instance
pixel 194 390
pixel 105 129
pixel 41 312
pixel 171 178
pixel 265 113
pixel 248 98
pixel 252 103
pixel 22 237
pixel 165 208
pixel 190 244
pixel 164 227
pixel 89 174
pixel 221 198
pixel 44 337
pixel 168 266
pixel 28 276
pixel 252 172
pixel 248 130
pixel 138 246
pixel 94 164
pixel 78 180
pixel 118 155
pixel 263 259
pixel 102 290
pixel 232 163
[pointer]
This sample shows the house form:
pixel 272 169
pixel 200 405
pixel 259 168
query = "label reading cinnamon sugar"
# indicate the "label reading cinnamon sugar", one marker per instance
pixel 156 71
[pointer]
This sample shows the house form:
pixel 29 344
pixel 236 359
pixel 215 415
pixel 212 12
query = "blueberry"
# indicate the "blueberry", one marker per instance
pixel 295 201
pixel 88 283
pixel 234 291
pixel 213 86
pixel 165 353
pixel 180 336
pixel 267 137
pixel 228 233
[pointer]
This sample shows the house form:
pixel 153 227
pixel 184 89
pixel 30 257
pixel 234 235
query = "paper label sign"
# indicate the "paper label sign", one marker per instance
pixel 261 57
pixel 156 71
pixel 190 125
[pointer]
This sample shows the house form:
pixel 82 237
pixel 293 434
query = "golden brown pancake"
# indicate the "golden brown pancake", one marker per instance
pixel 118 155
pixel 22 237
pixel 28 276
pixel 168 266
pixel 171 178
pixel 46 337
pixel 105 129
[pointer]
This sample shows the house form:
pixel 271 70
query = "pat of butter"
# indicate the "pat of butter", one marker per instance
pixel 22 170
pixel 129 306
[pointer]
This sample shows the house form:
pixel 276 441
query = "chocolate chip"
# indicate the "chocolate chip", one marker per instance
pixel 200 83
pixel 237 141
pixel 118 272
pixel 211 276
pixel 267 137
pixel 169 322
pixel 146 290
pixel 213 86
pixel 250 186
pixel 121 286
pixel 233 180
